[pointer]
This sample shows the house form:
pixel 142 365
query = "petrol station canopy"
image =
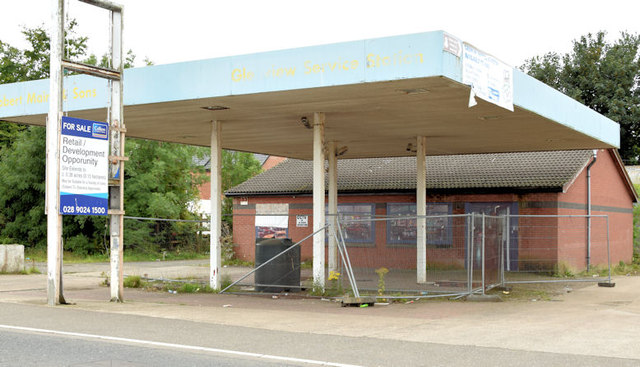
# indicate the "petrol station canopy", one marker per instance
pixel 377 95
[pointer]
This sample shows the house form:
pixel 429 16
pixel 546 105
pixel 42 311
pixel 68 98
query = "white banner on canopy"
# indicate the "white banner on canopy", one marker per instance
pixel 489 78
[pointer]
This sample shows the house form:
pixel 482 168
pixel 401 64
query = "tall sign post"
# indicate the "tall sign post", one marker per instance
pixel 92 181
pixel 54 219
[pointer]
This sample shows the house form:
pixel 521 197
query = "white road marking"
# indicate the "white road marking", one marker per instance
pixel 179 346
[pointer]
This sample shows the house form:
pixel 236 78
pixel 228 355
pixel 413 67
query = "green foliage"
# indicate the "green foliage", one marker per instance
pixel 22 173
pixel 133 281
pixel 22 187
pixel 161 180
pixel 602 75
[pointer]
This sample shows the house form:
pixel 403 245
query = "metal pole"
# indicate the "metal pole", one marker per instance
pixel 595 157
pixel 332 159
pixel 608 249
pixel 482 255
pixel 54 219
pixel 342 249
pixel 503 242
pixel 347 262
pixel 471 251
pixel 318 200
pixel 508 239
pixel 421 209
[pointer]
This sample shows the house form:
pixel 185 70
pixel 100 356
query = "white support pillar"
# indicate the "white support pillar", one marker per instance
pixel 215 261
pixel 318 200
pixel 54 219
pixel 421 209
pixel 332 160
pixel 116 193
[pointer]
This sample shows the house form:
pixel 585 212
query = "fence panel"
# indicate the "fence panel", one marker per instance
pixel 464 252
pixel 558 248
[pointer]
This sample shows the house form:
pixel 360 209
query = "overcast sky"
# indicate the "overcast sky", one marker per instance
pixel 173 31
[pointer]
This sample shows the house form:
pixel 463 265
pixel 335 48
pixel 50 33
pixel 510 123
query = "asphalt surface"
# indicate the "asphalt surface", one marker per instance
pixel 22 348
pixel 589 326
pixel 31 349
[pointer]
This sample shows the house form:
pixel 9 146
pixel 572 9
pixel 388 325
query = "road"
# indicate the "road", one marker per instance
pixel 587 326
pixel 35 349
pixel 133 340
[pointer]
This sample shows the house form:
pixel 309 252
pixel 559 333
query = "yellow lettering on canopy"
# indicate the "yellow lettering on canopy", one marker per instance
pixel 6 102
pixel 238 75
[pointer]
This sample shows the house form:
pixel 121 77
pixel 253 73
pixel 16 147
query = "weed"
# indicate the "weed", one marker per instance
pixel 381 286
pixel 189 288
pixel 225 282
pixel 105 282
pixel 563 270
pixel 134 281
pixel 31 270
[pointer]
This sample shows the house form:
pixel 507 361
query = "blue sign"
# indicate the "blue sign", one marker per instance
pixel 84 153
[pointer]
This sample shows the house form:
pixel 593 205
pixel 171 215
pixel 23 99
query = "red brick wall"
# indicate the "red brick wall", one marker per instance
pixel 609 196
pixel 542 241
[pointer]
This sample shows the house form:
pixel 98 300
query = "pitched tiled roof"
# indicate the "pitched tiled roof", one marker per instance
pixel 523 171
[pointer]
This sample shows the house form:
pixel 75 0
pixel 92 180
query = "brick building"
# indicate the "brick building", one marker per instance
pixel 531 183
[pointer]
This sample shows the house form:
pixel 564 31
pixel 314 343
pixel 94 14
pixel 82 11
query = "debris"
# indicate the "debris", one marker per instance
pixel 274 297
pixel 533 300
pixel 364 305
pixel 505 292
pixel 406 303
pixel 325 299
pixel 568 289
pixel 381 303
pixel 225 306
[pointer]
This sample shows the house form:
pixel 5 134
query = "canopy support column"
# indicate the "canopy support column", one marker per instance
pixel 215 248
pixel 318 200
pixel 332 158
pixel 421 209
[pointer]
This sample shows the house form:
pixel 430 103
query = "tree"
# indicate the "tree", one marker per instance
pixel 22 152
pixel 33 63
pixel 159 177
pixel 604 76
pixel 161 180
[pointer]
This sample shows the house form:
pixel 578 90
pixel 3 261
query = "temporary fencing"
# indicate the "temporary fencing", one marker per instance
pixel 465 253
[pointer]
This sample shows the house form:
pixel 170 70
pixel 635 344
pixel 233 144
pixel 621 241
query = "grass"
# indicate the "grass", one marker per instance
pixel 133 281
pixel 524 293
pixel 25 271
pixel 136 281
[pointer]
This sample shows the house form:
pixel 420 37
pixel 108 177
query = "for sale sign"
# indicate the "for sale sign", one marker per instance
pixel 84 154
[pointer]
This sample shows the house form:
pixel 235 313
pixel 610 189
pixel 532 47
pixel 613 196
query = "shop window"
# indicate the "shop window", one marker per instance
pixel 404 231
pixel 361 231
